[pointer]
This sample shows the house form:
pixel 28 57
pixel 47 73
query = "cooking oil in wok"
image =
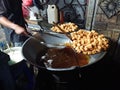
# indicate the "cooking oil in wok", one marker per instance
pixel 65 58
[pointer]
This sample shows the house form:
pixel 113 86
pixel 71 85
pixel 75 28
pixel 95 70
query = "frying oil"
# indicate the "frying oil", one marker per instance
pixel 64 58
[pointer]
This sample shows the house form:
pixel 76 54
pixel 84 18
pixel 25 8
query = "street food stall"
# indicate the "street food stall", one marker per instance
pixel 74 44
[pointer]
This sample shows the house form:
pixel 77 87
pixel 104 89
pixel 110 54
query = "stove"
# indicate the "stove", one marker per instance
pixel 58 80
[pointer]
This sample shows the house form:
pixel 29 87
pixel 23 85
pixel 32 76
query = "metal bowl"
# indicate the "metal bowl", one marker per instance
pixel 15 55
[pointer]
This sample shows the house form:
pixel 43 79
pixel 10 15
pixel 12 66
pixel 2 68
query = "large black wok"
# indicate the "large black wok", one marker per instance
pixel 32 48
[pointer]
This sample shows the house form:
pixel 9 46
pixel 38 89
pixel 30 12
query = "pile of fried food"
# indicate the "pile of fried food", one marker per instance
pixel 84 41
pixel 89 42
pixel 66 27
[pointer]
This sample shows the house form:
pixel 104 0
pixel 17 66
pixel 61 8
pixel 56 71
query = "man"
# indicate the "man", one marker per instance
pixel 14 25
pixel 12 21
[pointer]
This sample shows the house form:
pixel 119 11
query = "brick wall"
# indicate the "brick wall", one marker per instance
pixel 108 26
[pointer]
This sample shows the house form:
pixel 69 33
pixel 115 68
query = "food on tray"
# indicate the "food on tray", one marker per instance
pixel 89 42
pixel 66 27
pixel 64 58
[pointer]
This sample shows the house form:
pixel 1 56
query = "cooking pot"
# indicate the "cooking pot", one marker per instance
pixel 32 48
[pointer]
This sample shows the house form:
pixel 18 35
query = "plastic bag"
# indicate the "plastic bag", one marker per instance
pixel 25 12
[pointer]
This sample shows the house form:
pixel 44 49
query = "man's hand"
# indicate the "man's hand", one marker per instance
pixel 20 30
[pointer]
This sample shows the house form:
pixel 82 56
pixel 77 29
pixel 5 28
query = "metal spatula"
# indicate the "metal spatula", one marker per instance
pixel 51 39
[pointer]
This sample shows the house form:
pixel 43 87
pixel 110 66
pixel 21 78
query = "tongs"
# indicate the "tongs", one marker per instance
pixel 63 31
